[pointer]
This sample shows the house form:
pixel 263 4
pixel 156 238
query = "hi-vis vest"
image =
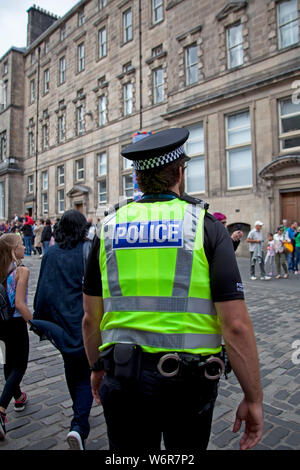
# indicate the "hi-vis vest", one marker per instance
pixel 155 279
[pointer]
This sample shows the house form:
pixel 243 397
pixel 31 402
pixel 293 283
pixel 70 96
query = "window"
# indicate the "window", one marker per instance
pixel 234 46
pixel 127 99
pixel 30 184
pixel 44 203
pixel 128 186
pixel 44 180
pixel 191 60
pixel 158 85
pixel 157 11
pixel 47 46
pixel 195 172
pixel 127 25
pixel 102 164
pixel 102 110
pixel 62 70
pixel 32 58
pixel 3 95
pixel 287 21
pixel 289 124
pixel 63 32
pixel 46 80
pixel 157 50
pixel 79 170
pixel 102 4
pixel 3 146
pixel 32 91
pixel 102 43
pixel 127 164
pixel 80 52
pixel 80 120
pixel 81 18
pixel 61 175
pixel 30 143
pixel 102 191
pixel 238 150
pixel 5 67
pixel 61 200
pixel 61 128
pixel 2 199
pixel 44 136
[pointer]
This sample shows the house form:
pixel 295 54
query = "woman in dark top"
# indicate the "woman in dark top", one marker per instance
pixel 58 315
pixel 46 235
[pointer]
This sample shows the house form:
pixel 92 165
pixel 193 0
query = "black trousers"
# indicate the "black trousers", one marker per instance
pixel 14 334
pixel 139 413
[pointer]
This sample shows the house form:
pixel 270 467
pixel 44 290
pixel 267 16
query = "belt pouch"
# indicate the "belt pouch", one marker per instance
pixel 127 361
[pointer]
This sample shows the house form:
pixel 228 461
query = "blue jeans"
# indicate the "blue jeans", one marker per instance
pixel 291 259
pixel 45 246
pixel 77 372
pixel 28 245
pixel 297 255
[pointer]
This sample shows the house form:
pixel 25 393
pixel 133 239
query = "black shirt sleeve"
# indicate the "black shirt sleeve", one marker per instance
pixel 92 284
pixel 225 277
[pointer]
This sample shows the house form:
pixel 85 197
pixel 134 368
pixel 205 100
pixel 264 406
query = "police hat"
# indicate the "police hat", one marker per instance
pixel 158 149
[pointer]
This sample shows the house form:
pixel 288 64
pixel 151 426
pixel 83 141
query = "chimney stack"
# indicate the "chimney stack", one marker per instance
pixel 38 21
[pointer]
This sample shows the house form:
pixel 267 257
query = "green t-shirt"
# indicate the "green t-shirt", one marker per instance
pixel 297 239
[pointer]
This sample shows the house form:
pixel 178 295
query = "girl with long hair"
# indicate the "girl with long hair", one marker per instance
pixel 14 332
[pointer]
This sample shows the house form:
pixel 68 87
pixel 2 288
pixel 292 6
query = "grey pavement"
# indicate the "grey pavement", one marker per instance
pixel 274 307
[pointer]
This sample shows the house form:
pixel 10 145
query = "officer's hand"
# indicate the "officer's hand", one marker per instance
pixel 237 235
pixel 252 414
pixel 96 377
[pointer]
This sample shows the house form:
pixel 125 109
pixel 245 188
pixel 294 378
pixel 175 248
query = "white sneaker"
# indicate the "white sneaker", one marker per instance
pixel 265 278
pixel 74 440
pixel 253 278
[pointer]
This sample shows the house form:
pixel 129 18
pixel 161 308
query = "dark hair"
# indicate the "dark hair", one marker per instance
pixel 70 230
pixel 48 222
pixel 159 179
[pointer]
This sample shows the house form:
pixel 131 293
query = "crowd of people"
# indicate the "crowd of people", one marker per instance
pixel 58 308
pixel 279 255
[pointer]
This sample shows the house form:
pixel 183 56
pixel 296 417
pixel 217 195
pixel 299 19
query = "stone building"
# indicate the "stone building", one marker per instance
pixel 229 71
pixel 11 132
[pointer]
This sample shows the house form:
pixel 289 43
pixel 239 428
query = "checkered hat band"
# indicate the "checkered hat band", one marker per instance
pixel 161 160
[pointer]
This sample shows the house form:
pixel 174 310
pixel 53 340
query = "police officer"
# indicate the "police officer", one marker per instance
pixel 161 288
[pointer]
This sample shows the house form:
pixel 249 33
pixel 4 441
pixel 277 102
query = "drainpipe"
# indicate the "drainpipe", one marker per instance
pixel 37 133
pixel 140 63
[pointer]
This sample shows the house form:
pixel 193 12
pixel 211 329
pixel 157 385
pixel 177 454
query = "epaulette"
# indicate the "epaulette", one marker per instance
pixel 195 200
pixel 117 206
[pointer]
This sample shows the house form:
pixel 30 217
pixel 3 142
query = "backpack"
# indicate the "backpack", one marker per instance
pixel 6 310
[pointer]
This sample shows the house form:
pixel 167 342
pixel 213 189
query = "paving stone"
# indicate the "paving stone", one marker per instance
pixel 271 410
pixel 295 398
pixel 46 412
pixel 44 444
pixel 25 430
pixel 275 436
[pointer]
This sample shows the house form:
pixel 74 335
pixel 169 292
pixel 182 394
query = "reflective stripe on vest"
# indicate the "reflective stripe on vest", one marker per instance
pixel 161 340
pixel 159 304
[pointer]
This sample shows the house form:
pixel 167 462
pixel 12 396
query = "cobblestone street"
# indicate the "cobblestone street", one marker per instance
pixel 274 308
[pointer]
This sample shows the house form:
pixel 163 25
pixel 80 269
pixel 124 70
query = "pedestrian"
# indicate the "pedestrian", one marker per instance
pixel 13 332
pixel 270 256
pixel 236 235
pixel 38 230
pixel 289 236
pixel 161 287
pixel 46 236
pixel 297 251
pixel 280 257
pixel 27 237
pixel 255 240
pixel 58 313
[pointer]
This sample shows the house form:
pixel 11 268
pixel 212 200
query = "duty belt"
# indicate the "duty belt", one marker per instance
pixel 127 361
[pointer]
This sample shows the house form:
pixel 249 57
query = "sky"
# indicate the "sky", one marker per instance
pixel 13 19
